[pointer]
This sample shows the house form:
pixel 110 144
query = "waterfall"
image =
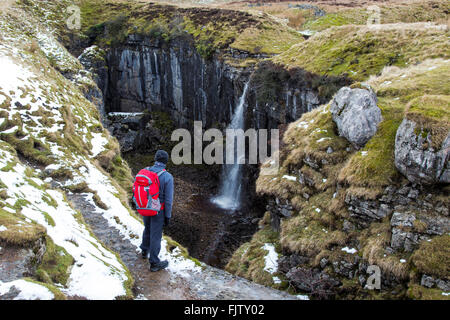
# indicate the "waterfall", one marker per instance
pixel 229 196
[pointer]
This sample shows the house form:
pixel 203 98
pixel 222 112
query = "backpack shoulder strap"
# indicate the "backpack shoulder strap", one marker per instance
pixel 161 172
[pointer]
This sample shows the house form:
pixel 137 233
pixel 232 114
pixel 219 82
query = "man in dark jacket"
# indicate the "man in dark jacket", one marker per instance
pixel 151 239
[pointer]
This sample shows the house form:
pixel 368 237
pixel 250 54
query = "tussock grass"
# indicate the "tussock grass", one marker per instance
pixel 433 257
pixel 308 237
pixel 19 232
pixel 417 92
pixel 423 11
pixel 360 51
pixel 373 241
pixel 249 260
pixel 431 113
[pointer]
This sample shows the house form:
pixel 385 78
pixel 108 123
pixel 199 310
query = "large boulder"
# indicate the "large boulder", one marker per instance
pixel 356 114
pixel 417 159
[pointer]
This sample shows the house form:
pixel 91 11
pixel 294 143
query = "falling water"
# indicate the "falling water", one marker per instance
pixel 230 190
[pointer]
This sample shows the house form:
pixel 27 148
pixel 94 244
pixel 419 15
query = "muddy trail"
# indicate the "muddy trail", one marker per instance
pixel 209 284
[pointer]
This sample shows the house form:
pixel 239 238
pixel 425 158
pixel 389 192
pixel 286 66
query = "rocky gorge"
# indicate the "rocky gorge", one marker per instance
pixel 364 173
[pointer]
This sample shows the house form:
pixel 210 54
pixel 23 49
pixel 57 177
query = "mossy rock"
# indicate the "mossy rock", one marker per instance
pixel 54 268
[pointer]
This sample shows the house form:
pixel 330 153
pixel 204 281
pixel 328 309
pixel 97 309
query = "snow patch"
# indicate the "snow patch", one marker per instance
pixel 28 290
pixel 271 259
pixel 349 250
pixel 291 178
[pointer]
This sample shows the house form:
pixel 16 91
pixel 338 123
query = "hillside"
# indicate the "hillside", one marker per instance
pixel 334 208
pixel 363 112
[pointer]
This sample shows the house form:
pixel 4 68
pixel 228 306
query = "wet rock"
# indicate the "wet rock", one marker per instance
pixel 356 114
pixel 417 160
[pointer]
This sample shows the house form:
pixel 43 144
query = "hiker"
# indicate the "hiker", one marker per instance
pixel 156 184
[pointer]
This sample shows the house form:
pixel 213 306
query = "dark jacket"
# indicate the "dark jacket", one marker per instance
pixel 165 189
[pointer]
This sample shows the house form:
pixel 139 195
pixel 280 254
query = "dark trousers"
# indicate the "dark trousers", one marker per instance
pixel 151 239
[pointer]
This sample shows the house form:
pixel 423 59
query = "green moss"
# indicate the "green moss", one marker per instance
pixel 307 236
pixel 120 172
pixel 20 203
pixel 54 268
pixel 373 165
pixel 9 166
pixel 417 292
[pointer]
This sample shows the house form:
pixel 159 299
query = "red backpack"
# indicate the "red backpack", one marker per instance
pixel 146 192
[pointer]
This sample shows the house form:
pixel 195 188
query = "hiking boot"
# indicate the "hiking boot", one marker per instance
pixel 144 254
pixel 158 266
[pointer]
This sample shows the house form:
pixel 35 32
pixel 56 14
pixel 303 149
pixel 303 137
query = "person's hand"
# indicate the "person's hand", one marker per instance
pixel 166 222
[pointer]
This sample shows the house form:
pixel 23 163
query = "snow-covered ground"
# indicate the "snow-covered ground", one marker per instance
pixel 27 290
pixel 25 80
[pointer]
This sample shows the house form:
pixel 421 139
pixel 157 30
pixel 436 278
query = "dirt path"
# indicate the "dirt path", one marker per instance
pixel 209 284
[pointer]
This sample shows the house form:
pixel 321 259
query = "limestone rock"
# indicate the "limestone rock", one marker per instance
pixel 356 114
pixel 417 160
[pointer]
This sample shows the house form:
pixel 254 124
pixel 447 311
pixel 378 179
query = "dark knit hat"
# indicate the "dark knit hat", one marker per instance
pixel 162 156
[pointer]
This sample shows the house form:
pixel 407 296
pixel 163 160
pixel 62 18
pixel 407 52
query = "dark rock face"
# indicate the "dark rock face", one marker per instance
pixel 418 163
pixel 93 60
pixel 145 75
pixel 356 114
